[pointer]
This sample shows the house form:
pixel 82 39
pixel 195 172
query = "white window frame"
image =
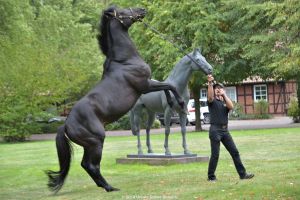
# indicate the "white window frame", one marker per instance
pixel 255 89
pixel 234 97
pixel 202 92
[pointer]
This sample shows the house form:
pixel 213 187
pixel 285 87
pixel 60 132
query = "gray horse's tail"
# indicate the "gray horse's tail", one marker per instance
pixel 64 153
pixel 132 125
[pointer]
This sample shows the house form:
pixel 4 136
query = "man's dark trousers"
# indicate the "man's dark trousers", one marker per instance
pixel 217 134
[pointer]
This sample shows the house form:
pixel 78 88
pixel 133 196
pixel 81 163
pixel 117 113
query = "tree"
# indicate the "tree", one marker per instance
pixel 47 56
pixel 49 53
pixel 188 24
pixel 262 39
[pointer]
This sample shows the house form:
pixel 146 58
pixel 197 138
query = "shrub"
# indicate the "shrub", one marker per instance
pixel 15 124
pixel 50 127
pixel 156 124
pixel 261 107
pixel 124 123
pixel 261 110
pixel 14 135
pixel 253 116
pixel 293 109
pixel 237 111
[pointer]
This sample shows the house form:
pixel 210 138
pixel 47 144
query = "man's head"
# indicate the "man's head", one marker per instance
pixel 220 85
pixel 218 89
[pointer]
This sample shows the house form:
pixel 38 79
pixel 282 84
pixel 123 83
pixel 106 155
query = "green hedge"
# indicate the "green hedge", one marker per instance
pixel 293 109
pixel 124 123
pixel 260 109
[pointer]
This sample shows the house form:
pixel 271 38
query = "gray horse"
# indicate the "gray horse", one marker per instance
pixel 156 101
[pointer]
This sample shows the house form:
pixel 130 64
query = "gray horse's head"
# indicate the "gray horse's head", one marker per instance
pixel 199 62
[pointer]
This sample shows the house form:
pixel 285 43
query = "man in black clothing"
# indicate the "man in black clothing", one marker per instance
pixel 219 106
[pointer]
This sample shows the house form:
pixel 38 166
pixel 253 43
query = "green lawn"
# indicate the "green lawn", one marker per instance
pixel 273 155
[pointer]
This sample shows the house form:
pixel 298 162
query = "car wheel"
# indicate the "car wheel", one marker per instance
pixel 162 122
pixel 206 119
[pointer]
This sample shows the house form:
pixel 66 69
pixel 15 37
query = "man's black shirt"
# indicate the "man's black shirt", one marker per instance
pixel 218 112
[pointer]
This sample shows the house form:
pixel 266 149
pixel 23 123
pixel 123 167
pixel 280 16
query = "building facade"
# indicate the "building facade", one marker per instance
pixel 251 90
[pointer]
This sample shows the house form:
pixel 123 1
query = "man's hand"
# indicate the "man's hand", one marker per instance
pixel 222 92
pixel 228 102
pixel 210 78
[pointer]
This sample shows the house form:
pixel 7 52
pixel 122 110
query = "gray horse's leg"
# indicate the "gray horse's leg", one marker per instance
pixel 135 115
pixel 183 132
pixel 167 130
pixel 139 144
pixel 151 118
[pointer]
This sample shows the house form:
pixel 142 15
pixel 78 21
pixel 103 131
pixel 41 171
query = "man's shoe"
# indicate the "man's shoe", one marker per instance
pixel 247 176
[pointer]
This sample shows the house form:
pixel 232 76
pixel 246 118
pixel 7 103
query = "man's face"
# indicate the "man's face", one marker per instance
pixel 218 91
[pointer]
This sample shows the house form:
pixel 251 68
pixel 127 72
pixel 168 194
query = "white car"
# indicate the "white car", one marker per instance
pixel 204 113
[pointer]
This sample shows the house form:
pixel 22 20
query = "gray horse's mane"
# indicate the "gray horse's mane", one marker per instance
pixel 177 68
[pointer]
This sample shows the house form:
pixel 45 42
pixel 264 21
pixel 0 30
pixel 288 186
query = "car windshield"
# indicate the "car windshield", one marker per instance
pixel 203 103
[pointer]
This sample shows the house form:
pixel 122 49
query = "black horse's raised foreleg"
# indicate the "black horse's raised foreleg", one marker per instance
pixel 154 86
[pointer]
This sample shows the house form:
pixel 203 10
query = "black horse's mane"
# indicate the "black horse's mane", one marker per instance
pixel 103 34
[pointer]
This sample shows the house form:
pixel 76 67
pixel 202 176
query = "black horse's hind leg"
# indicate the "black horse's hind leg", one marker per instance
pixel 169 98
pixel 91 163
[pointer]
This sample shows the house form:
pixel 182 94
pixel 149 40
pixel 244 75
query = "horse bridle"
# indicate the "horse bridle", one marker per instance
pixel 170 41
pixel 120 18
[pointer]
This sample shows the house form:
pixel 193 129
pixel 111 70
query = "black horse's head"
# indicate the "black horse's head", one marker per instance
pixel 119 17
pixel 126 16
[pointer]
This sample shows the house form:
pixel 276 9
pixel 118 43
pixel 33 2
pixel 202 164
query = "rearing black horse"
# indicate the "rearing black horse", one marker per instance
pixel 126 76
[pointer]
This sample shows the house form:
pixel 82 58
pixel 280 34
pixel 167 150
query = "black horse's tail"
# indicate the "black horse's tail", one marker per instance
pixel 64 153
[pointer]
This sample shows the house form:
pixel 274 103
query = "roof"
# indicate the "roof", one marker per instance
pixel 257 79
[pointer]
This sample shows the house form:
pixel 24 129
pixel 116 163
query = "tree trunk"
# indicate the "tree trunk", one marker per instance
pixel 196 95
pixel 298 95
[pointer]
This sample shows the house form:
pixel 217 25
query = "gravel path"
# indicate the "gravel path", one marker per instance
pixel 276 122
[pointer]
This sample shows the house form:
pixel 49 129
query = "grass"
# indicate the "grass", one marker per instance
pixel 273 155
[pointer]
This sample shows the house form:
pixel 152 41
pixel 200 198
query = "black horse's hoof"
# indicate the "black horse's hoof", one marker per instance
pixel 111 189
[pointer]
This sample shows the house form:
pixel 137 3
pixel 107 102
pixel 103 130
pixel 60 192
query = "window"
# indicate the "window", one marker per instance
pixel 260 92
pixel 203 93
pixel 231 93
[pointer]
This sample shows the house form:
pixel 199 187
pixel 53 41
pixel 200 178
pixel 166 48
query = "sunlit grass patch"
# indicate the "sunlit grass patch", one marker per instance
pixel 272 155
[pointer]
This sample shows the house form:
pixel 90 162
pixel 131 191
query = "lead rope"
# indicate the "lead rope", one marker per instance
pixel 170 41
